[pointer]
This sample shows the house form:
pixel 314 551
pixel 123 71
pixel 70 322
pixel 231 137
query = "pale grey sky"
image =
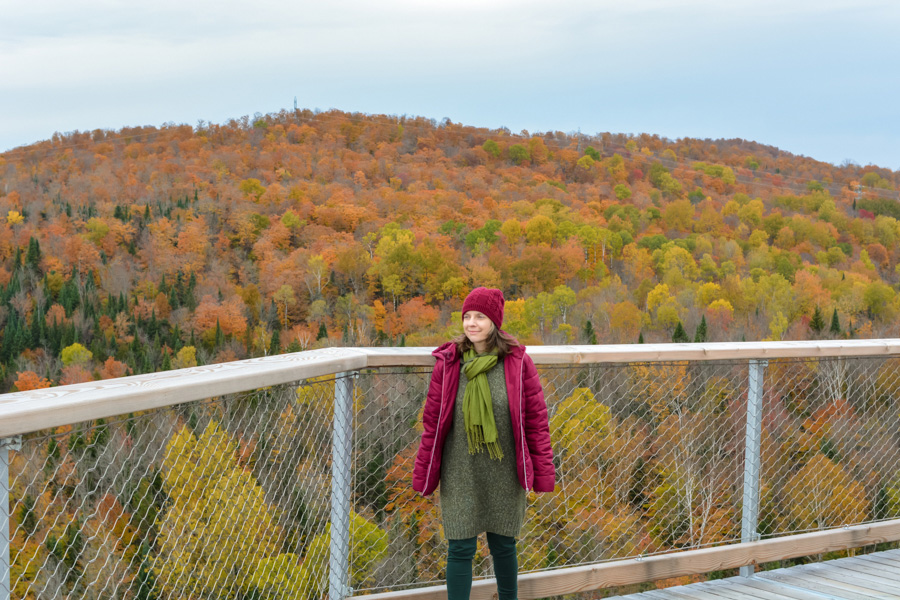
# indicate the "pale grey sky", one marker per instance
pixel 818 78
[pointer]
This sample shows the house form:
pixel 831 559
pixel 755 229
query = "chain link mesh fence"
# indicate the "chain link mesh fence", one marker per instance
pixel 231 497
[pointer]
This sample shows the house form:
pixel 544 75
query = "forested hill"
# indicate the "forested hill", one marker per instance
pixel 149 248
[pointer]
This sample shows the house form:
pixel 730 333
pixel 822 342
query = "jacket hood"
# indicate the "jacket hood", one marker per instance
pixel 517 351
pixel 447 351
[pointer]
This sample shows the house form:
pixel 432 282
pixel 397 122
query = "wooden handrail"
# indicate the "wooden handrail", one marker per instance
pixel 24 412
pixel 663 566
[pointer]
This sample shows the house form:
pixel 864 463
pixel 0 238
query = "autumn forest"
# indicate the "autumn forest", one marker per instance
pixel 144 249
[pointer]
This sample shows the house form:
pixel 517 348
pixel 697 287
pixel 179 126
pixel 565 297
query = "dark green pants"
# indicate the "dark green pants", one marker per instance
pixel 459 566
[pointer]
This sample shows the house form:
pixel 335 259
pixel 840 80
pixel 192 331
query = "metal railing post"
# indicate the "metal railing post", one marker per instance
pixel 341 484
pixel 750 509
pixel 7 445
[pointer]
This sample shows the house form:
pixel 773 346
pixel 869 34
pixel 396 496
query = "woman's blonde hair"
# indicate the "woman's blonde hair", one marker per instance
pixel 498 341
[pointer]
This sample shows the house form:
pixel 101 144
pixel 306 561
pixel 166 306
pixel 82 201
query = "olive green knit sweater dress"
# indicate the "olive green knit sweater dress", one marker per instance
pixel 479 494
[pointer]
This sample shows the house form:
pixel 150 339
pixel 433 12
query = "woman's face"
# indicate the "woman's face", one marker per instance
pixel 477 328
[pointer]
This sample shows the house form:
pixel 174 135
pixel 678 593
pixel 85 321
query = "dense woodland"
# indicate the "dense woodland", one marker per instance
pixel 147 249
pixel 143 249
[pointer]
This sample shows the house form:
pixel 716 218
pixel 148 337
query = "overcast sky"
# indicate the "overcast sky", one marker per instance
pixel 813 77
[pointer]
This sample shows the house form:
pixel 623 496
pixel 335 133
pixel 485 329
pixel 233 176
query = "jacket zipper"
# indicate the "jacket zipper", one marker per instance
pixel 437 427
pixel 522 419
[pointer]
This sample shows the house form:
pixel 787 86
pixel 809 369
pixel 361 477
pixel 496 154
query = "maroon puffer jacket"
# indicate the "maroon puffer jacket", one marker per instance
pixel 527 409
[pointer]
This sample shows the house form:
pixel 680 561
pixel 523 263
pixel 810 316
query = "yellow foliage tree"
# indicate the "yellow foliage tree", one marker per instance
pixel 14 217
pixel 593 445
pixel 186 357
pixel 368 546
pixel 822 494
pixel 576 423
pixel 76 354
pixel 217 525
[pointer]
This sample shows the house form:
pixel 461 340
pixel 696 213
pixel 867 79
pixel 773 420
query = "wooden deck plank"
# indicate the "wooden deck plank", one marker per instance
pixel 867 588
pixel 865 573
pixel 878 564
pixel 873 576
pixel 648 595
pixel 690 592
pixel 883 558
pixel 779 590
pixel 835 589
pixel 863 579
pixel 722 589
pixel 686 592
pixel 766 591
pixel 880 559
pixel 653 595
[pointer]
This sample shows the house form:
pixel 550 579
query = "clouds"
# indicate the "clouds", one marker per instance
pixel 783 73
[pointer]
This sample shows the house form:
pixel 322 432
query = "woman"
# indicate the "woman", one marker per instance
pixel 486 439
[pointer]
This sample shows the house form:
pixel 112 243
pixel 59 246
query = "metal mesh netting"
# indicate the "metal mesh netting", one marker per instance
pixel 232 497
pixel 222 498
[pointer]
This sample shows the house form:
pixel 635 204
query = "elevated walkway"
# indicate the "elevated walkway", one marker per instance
pixel 289 476
pixel 863 577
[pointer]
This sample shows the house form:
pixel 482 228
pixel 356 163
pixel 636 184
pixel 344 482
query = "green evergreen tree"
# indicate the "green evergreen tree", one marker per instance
pixel 69 296
pixel 33 257
pixel 69 336
pixel 146 582
pixel 37 331
pixel 323 332
pixel 153 324
pixel 180 289
pixel 6 349
pixel 98 349
pixel 835 328
pixel 175 338
pixel 680 336
pixel 817 323
pixel 641 338
pixel 275 344
pixel 192 284
pixel 590 335
pixel 220 335
pixel 700 334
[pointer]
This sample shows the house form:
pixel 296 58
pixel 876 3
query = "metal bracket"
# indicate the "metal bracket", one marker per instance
pixel 12 443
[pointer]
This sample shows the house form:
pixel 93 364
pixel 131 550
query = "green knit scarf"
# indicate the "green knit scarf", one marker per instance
pixel 478 412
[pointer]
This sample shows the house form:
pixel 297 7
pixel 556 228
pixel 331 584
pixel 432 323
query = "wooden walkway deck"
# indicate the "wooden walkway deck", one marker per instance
pixel 866 577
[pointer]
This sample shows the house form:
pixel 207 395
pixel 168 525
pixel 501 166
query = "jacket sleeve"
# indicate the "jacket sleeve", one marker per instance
pixel 537 429
pixel 423 481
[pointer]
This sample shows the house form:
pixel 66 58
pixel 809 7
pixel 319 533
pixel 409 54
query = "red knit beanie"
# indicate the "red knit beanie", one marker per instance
pixel 487 301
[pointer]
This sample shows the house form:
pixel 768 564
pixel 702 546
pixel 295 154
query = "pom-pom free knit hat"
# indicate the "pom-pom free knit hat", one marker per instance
pixel 487 301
